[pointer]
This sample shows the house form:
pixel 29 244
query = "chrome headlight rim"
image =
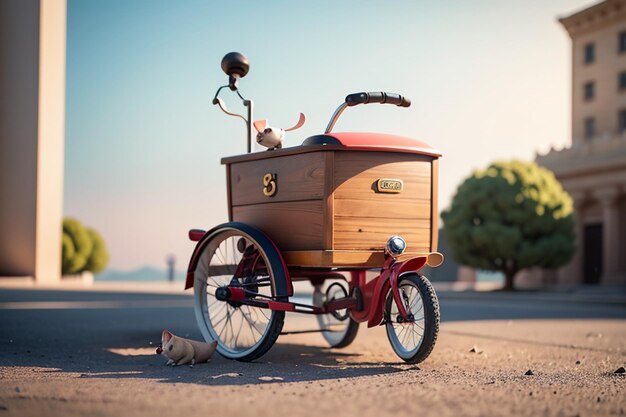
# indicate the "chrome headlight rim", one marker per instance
pixel 396 246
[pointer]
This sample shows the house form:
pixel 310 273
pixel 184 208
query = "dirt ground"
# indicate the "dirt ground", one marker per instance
pixel 573 362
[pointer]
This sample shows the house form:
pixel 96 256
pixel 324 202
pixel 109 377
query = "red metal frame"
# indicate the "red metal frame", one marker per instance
pixel 373 293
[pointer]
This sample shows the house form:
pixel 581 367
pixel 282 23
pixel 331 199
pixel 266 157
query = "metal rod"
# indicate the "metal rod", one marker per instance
pixel 249 104
pixel 307 331
pixel 335 116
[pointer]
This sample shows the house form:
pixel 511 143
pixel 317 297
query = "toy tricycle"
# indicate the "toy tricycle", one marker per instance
pixel 355 214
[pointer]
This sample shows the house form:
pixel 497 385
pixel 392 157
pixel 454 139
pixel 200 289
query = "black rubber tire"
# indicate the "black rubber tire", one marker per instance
pixel 431 317
pixel 276 326
pixel 353 330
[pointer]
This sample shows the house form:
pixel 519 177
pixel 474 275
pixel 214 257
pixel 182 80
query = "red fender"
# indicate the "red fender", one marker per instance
pixel 414 264
pixel 282 284
pixel 381 289
pixel 387 280
pixel 377 306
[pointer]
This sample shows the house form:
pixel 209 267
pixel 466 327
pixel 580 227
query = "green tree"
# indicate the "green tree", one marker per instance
pixel 76 246
pixel 511 216
pixel 67 253
pixel 99 256
pixel 83 249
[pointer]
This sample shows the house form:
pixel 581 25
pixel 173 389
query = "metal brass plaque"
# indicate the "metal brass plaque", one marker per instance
pixel 386 185
pixel 269 184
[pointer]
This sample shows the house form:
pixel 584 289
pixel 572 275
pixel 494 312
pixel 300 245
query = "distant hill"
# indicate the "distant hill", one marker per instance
pixel 146 273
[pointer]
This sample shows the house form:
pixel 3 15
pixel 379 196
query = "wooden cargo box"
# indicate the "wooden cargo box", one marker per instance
pixel 335 201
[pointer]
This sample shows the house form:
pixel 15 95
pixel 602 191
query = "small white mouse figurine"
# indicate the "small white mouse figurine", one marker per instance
pixel 272 137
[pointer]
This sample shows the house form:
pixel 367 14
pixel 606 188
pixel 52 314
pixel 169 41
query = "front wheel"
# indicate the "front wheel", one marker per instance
pixel 413 340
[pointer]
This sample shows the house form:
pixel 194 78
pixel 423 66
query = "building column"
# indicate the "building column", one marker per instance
pixel 32 131
pixel 610 232
pixel 572 273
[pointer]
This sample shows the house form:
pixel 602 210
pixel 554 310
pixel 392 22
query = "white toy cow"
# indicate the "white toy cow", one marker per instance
pixel 272 137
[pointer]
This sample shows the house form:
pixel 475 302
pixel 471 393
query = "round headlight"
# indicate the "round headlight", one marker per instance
pixel 396 246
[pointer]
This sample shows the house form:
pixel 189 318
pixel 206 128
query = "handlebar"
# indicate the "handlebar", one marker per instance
pixel 367 98
pixel 377 97
pixel 248 103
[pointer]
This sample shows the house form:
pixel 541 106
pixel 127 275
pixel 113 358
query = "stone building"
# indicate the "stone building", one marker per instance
pixel 32 137
pixel 593 168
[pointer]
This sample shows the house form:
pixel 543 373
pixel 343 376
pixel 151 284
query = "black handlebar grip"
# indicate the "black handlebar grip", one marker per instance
pixel 377 97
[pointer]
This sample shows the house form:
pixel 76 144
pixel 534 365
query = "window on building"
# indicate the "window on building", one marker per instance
pixel 622 42
pixel 621 81
pixel 590 53
pixel 622 121
pixel 589 91
pixel 590 127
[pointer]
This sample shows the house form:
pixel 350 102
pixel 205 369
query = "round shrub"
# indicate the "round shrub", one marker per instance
pixel 67 253
pixel 99 256
pixel 74 261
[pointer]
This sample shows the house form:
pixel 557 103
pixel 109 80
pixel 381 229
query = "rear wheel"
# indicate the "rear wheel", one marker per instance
pixel 234 258
pixel 413 340
pixel 338 328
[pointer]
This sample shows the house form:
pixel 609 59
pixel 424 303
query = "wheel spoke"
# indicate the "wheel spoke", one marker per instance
pixel 239 331
pixel 238 328
pixel 217 285
pixel 407 338
pixel 230 323
pixel 415 301
pixel 402 329
pixel 405 298
pixel 220 256
pixel 262 311
pixel 224 328
pixel 251 324
pixel 220 307
pixel 232 242
pixel 419 309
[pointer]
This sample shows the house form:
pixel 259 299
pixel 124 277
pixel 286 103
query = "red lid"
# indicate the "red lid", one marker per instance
pixel 373 142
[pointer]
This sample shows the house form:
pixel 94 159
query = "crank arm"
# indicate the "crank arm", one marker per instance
pixel 339 304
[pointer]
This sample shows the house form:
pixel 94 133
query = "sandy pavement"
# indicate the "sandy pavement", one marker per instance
pixel 572 361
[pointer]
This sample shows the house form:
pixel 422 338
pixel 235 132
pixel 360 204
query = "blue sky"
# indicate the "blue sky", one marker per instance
pixel 488 80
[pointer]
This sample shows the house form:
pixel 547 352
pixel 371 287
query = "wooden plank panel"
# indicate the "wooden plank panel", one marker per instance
pixel 396 208
pixel 329 200
pixel 298 177
pixel 295 225
pixel 357 172
pixel 366 233
pixel 362 187
pixel 345 258
pixel 434 219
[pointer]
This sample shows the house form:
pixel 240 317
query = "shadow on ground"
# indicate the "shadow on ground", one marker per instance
pixel 82 341
pixel 284 363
